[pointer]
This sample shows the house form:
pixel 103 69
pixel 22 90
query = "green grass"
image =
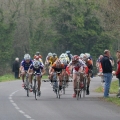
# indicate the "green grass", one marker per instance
pixel 44 77
pixel 10 77
pixel 114 100
pixel 7 77
pixel 113 90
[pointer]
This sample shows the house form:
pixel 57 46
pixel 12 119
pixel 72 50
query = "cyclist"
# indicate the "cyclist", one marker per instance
pixel 38 57
pixel 38 69
pixel 48 60
pixel 98 64
pixel 57 67
pixel 65 57
pixel 65 60
pixel 54 58
pixel 89 64
pixel 69 55
pixel 37 54
pixel 25 66
pixel 78 66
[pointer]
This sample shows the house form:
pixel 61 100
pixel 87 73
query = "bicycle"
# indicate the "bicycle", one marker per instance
pixel 27 83
pixel 55 85
pixel 64 83
pixel 80 89
pixel 35 87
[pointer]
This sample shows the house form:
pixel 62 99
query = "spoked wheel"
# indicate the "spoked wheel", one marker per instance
pixel 35 90
pixel 78 90
pixel 27 87
pixel 63 89
pixel 58 94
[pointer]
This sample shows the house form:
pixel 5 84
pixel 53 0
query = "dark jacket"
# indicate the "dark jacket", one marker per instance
pixel 106 65
pixel 16 66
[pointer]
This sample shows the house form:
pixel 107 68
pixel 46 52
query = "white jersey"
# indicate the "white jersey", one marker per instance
pixel 77 66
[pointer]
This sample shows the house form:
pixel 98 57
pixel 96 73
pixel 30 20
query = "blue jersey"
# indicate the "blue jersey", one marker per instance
pixel 37 70
pixel 26 65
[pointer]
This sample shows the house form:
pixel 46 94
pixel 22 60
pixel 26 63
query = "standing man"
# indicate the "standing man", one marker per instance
pixel 107 72
pixel 15 68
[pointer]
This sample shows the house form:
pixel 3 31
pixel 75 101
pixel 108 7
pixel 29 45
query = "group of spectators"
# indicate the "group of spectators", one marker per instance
pixel 105 64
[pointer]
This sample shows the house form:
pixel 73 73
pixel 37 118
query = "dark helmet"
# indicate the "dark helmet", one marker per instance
pixel 68 52
pixel 54 54
pixel 37 53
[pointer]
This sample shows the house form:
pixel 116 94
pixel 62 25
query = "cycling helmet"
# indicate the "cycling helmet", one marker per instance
pixel 54 54
pixel 82 55
pixel 36 64
pixel 63 55
pixel 27 57
pixel 75 58
pixel 87 55
pixel 37 53
pixel 50 54
pixel 68 52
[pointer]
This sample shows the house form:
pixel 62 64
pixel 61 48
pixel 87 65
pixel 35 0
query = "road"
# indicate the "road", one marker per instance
pixel 15 105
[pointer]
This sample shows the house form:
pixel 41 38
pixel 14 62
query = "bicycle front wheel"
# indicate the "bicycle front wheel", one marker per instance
pixel 35 89
pixel 27 87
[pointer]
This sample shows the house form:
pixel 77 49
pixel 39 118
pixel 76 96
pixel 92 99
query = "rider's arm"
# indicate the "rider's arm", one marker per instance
pixel 50 70
pixel 43 71
pixel 30 70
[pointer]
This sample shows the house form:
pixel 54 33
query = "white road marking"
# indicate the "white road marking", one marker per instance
pixel 16 107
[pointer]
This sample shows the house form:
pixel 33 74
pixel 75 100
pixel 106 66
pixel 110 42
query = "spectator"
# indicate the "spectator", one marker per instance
pixel 15 68
pixel 118 70
pixel 107 72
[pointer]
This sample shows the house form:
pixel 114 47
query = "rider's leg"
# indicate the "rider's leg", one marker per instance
pixel 23 76
pixel 88 84
pixel 38 77
pixel 60 81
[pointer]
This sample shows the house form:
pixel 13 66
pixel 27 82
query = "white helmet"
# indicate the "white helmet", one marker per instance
pixel 82 55
pixel 36 64
pixel 27 57
pixel 63 55
pixel 87 54
pixel 50 54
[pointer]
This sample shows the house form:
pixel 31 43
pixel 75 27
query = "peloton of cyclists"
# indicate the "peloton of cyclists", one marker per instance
pixel 65 65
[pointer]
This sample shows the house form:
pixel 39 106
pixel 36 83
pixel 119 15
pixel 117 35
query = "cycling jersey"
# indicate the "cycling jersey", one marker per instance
pixel 40 56
pixel 77 65
pixel 58 69
pixel 26 65
pixel 51 60
pixel 38 71
pixel 89 64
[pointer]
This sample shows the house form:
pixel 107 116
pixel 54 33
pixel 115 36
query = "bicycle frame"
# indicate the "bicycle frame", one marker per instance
pixel 35 86
pixel 27 83
pixel 79 90
pixel 56 85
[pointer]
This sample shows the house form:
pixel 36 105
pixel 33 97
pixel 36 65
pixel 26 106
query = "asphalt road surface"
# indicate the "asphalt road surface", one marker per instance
pixel 15 105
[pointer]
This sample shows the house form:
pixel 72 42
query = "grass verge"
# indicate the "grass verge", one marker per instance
pixel 113 90
pixel 7 77
pixel 10 77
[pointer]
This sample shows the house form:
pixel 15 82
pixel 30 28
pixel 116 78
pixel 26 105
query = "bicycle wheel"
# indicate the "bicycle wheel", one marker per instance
pixel 35 89
pixel 58 93
pixel 27 87
pixel 78 90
